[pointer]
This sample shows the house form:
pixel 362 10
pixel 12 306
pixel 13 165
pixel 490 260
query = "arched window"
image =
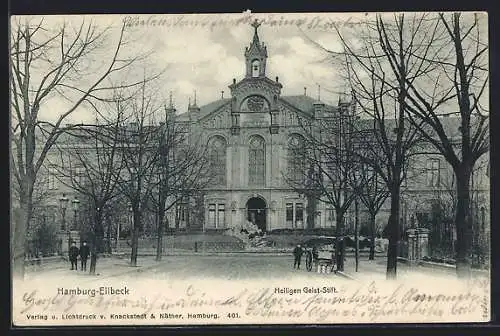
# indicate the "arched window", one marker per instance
pixel 217 152
pixel 255 68
pixel 256 160
pixel 296 158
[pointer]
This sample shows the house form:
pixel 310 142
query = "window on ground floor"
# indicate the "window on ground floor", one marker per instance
pixel 294 215
pixel 216 216
pixel 330 217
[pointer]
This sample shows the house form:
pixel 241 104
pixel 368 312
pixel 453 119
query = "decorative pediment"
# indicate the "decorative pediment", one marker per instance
pixel 261 85
pixel 220 119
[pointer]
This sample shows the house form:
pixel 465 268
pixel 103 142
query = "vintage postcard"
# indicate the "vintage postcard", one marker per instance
pixel 239 169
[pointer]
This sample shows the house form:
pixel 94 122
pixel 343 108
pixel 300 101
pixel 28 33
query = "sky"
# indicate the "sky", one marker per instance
pixel 203 53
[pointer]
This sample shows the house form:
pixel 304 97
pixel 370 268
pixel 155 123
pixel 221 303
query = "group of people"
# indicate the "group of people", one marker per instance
pixel 83 252
pixel 298 251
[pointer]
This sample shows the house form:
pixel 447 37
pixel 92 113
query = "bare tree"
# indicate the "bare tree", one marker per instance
pixel 461 77
pixel 329 169
pixel 373 193
pixel 47 63
pixel 139 149
pixel 90 163
pixel 380 90
pixel 183 170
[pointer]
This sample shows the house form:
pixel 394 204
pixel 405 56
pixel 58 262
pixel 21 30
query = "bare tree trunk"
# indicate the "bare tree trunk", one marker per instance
pixel 339 244
pixel 356 234
pixel 19 228
pixel 392 251
pixel 135 238
pixel 93 254
pixel 311 212
pixel 159 238
pixel 463 222
pixel 108 235
pixel 97 239
pixel 372 229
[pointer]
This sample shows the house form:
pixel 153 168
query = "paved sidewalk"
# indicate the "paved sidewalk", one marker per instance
pixel 376 270
pixel 107 267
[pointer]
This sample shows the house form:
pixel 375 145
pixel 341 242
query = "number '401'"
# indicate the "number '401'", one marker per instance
pixel 233 315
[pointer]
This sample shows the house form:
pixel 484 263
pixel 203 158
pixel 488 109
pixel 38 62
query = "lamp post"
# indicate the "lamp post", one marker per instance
pixel 63 202
pixel 76 205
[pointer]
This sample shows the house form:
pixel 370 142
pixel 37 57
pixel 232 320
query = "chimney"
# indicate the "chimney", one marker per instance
pixel 305 91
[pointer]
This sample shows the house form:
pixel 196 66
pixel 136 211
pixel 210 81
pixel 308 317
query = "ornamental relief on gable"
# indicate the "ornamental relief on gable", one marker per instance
pixel 255 86
pixel 255 119
pixel 288 117
pixel 220 120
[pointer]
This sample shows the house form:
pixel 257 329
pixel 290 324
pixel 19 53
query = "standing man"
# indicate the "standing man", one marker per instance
pixel 73 255
pixel 297 253
pixel 84 255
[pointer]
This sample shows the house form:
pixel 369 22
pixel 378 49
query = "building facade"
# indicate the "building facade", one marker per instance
pixel 250 136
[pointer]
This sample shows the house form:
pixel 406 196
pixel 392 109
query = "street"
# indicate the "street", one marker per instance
pixel 235 266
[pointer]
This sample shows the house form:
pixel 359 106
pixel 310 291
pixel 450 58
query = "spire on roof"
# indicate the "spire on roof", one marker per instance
pixel 256 24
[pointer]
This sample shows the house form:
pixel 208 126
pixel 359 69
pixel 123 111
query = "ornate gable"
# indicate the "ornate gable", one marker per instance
pixel 218 119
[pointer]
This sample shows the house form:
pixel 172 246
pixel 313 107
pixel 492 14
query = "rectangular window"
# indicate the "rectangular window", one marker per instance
pixel 433 172
pixel 299 215
pixel 52 178
pixel 211 215
pixel 78 178
pixel 181 212
pixel 330 215
pixel 221 217
pixel 289 212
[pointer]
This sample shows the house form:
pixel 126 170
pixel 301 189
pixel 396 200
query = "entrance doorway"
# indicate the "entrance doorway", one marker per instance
pixel 256 212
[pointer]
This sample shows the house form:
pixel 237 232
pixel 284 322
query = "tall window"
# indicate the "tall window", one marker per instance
pixel 52 178
pixel 255 68
pixel 79 175
pixel 330 217
pixel 216 215
pixel 295 215
pixel 218 159
pixel 433 172
pixel 289 214
pixel 299 214
pixel 221 215
pixel 256 160
pixel 182 213
pixel 296 158
pixel 211 216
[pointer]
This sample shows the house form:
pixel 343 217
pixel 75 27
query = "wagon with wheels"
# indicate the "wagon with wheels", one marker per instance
pixel 319 253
